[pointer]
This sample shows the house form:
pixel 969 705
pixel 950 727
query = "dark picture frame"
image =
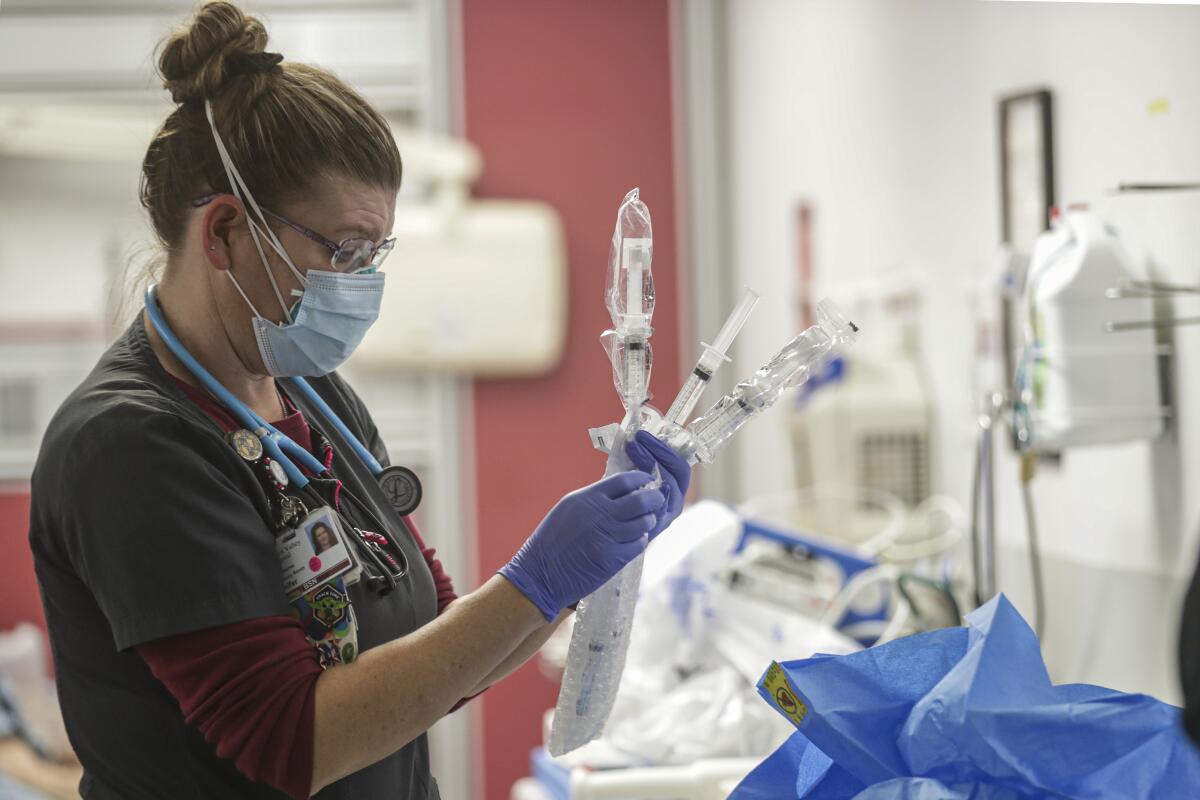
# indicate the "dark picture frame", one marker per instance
pixel 1026 167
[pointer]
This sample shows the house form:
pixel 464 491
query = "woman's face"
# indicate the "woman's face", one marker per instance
pixel 337 209
pixel 323 537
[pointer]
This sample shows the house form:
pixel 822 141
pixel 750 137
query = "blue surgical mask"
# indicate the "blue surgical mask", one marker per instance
pixel 335 309
pixel 334 314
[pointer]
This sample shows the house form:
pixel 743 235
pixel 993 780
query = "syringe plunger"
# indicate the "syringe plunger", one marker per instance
pixel 734 322
pixel 711 359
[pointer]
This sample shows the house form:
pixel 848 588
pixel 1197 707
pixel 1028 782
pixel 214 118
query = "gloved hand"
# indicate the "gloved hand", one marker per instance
pixel 647 450
pixel 586 538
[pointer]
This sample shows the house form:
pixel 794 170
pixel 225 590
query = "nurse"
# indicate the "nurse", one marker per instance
pixel 203 648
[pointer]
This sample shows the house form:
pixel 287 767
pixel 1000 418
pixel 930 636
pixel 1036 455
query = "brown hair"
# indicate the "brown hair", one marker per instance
pixel 285 124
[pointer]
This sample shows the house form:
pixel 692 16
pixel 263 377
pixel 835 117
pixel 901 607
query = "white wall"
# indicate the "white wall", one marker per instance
pixel 883 114
pixel 63 225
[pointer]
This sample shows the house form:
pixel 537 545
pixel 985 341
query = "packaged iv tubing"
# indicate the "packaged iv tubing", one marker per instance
pixel 700 441
pixel 603 623
pixel 629 295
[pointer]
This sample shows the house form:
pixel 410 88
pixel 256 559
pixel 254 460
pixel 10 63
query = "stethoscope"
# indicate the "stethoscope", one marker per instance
pixel 400 484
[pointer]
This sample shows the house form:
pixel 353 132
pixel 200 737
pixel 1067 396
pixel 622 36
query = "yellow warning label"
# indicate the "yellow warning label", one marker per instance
pixel 782 695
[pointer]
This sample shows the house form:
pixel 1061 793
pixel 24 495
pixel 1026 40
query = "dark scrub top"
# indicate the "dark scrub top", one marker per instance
pixel 145 523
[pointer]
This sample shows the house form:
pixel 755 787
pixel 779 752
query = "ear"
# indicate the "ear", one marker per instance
pixel 221 216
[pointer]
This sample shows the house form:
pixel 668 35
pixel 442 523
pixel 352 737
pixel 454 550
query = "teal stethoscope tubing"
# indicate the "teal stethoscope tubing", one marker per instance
pixel 318 401
pixel 277 445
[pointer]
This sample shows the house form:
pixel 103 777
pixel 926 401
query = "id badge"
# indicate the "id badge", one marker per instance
pixel 318 563
pixel 313 553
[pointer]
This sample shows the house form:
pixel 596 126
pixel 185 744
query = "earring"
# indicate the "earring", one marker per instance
pixel 212 247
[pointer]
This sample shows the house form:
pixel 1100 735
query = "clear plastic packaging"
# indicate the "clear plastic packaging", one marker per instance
pixel 603 623
pixel 700 441
pixel 629 295
pixel 595 661
pixel 600 640
pixel 632 360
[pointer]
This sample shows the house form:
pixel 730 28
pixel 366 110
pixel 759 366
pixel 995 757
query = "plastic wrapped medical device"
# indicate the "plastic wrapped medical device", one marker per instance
pixel 700 441
pixel 589 687
pixel 603 622
pixel 629 295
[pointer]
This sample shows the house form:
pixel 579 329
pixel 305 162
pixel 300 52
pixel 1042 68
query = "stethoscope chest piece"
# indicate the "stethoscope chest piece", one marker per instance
pixel 402 488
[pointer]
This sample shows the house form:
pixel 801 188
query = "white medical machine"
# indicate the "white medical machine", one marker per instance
pixel 868 425
pixel 1089 371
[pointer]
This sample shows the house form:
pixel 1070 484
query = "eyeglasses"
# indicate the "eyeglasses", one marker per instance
pixel 348 255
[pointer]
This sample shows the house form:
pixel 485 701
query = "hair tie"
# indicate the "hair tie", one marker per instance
pixel 250 63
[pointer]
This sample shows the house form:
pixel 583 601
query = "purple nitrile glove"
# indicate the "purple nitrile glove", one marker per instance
pixel 646 451
pixel 586 538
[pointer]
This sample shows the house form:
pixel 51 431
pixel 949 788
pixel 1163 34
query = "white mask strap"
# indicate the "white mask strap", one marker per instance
pixel 238 286
pixel 254 234
pixel 242 192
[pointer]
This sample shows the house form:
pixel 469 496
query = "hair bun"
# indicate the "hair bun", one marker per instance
pixel 198 59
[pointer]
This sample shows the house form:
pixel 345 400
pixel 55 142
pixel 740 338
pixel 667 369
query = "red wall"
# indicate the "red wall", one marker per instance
pixel 18 586
pixel 570 104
